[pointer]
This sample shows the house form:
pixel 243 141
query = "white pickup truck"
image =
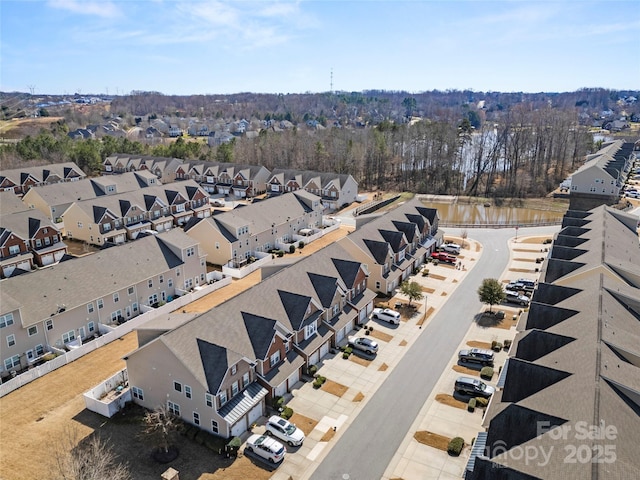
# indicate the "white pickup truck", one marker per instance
pixel 387 315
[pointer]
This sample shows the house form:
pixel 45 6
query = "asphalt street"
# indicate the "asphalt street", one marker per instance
pixel 368 445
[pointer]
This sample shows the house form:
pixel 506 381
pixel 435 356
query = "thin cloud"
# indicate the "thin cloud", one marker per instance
pixel 100 9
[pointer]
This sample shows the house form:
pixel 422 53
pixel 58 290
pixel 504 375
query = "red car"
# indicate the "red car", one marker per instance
pixel 444 257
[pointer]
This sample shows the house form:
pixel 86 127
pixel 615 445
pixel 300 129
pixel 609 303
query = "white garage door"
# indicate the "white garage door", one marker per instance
pixel 314 358
pixel 239 428
pixel 340 334
pixel 255 413
pixel 281 389
pixel 324 349
pixel 47 259
pixel 294 378
pixel 8 270
pixel 58 255
pixel 119 239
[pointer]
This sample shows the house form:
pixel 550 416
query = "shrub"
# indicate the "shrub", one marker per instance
pixel 496 346
pixel 300 244
pixel 277 402
pixel 547 240
pixel 455 446
pixel 313 369
pixel 486 373
pixel 482 402
pixel 348 350
pixel 317 383
pixel 436 261
pixel 292 248
pixel 425 272
pixel 280 253
pixel 345 355
pixel 367 332
pixel 506 344
pixel 471 406
pixel 287 413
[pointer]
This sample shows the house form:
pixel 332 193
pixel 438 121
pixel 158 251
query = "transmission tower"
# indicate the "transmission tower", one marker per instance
pixel 31 88
pixel 331 82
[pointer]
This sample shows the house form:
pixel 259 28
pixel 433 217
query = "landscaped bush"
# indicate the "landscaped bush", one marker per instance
pixel 300 244
pixel 277 402
pixel 313 369
pixel 292 248
pixel 287 413
pixel 425 272
pixel 507 344
pixel 481 402
pixel 455 446
pixel 486 373
pixel 496 346
pixel 280 253
pixel 436 261
pixel 317 383
pixel 471 406
pixel 547 240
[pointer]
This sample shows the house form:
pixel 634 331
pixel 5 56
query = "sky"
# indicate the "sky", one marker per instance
pixel 221 47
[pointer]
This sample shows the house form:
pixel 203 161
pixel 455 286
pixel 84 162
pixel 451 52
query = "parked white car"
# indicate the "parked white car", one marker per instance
pixel 284 430
pixel 266 447
pixel 451 248
pixel 387 315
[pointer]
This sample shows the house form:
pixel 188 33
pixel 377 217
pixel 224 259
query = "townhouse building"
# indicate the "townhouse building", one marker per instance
pixel 392 245
pixel 239 234
pixel 336 190
pixel 53 200
pixel 52 309
pixel 217 370
pixel 119 218
pixel 163 168
pixel 28 239
pixel 242 181
pixel 572 378
pixel 20 180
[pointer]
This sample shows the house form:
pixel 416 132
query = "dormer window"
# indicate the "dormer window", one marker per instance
pixel 310 330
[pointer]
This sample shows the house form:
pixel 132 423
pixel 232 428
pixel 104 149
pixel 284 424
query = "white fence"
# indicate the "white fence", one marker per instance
pixel 149 313
pixel 109 397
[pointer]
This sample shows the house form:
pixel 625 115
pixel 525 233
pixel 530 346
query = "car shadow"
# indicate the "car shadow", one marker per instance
pixel 363 354
pixel 470 365
pixel 258 461
pixel 382 323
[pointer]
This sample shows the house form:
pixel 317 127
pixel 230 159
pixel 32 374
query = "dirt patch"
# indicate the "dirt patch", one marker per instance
pixel 444 294
pixel 522 270
pixel 428 290
pixel 455 280
pixel 385 337
pixel 447 399
pixel 305 424
pixel 465 370
pixel 437 277
pixel 524 259
pixel 478 247
pixel 432 439
pixel 241 469
pixel 403 343
pixel 488 320
pixel 527 250
pixel 360 360
pixel 328 435
pixel 383 367
pixel 476 344
pixel 334 388
pixel 358 398
pixel 533 239
pixel 425 316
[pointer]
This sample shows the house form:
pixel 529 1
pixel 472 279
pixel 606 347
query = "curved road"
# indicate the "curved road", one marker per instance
pixel 368 445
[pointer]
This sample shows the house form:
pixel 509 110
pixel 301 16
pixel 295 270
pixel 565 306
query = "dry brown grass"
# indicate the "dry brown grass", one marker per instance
pixel 428 290
pixel 383 367
pixel 532 240
pixel 477 344
pixel 444 294
pixel 305 424
pixel 360 360
pixel 522 270
pixel 334 388
pixel 241 469
pixel 385 337
pixel 449 400
pixel 432 439
pixel 425 316
pixel 527 250
pixel 437 277
pixel 490 321
pixel 358 398
pixel 465 370
pixel 478 247
pixel 524 259
pixel 403 343
pixel 328 435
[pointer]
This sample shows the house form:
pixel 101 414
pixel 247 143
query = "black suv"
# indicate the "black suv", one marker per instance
pixel 473 387
pixel 477 355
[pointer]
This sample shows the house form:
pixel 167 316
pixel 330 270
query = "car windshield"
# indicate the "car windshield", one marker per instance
pixel 482 385
pixel 290 429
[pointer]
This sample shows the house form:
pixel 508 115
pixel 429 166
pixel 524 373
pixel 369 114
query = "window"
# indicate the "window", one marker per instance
pixel 100 303
pixel 310 330
pixel 6 320
pixel 187 391
pixel 234 389
pixel 170 282
pixel 177 386
pixel 150 283
pixel 234 369
pixel 116 297
pixel 11 340
pixel 137 393
pixel 130 291
pixel 69 336
pixel 336 309
pixel 218 245
pixel 191 251
pixel 245 380
pixel 196 418
pixel 33 330
pixel 188 283
pixel 14 361
pixel 214 426
pixel 134 306
pixel 49 324
pixel 223 398
pixel 38 243
pixel 39 350
pixel 161 279
pixel 275 358
pixel 90 307
pixel 91 327
pixel 173 408
pixel 14 249
pixel 47 241
pixel 177 272
pixel 79 224
pixel 208 398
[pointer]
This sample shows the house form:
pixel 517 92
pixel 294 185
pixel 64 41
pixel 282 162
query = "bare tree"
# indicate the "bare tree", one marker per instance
pixel 161 424
pixel 464 234
pixel 89 459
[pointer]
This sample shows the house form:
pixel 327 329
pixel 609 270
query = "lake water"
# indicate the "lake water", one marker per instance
pixel 478 214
